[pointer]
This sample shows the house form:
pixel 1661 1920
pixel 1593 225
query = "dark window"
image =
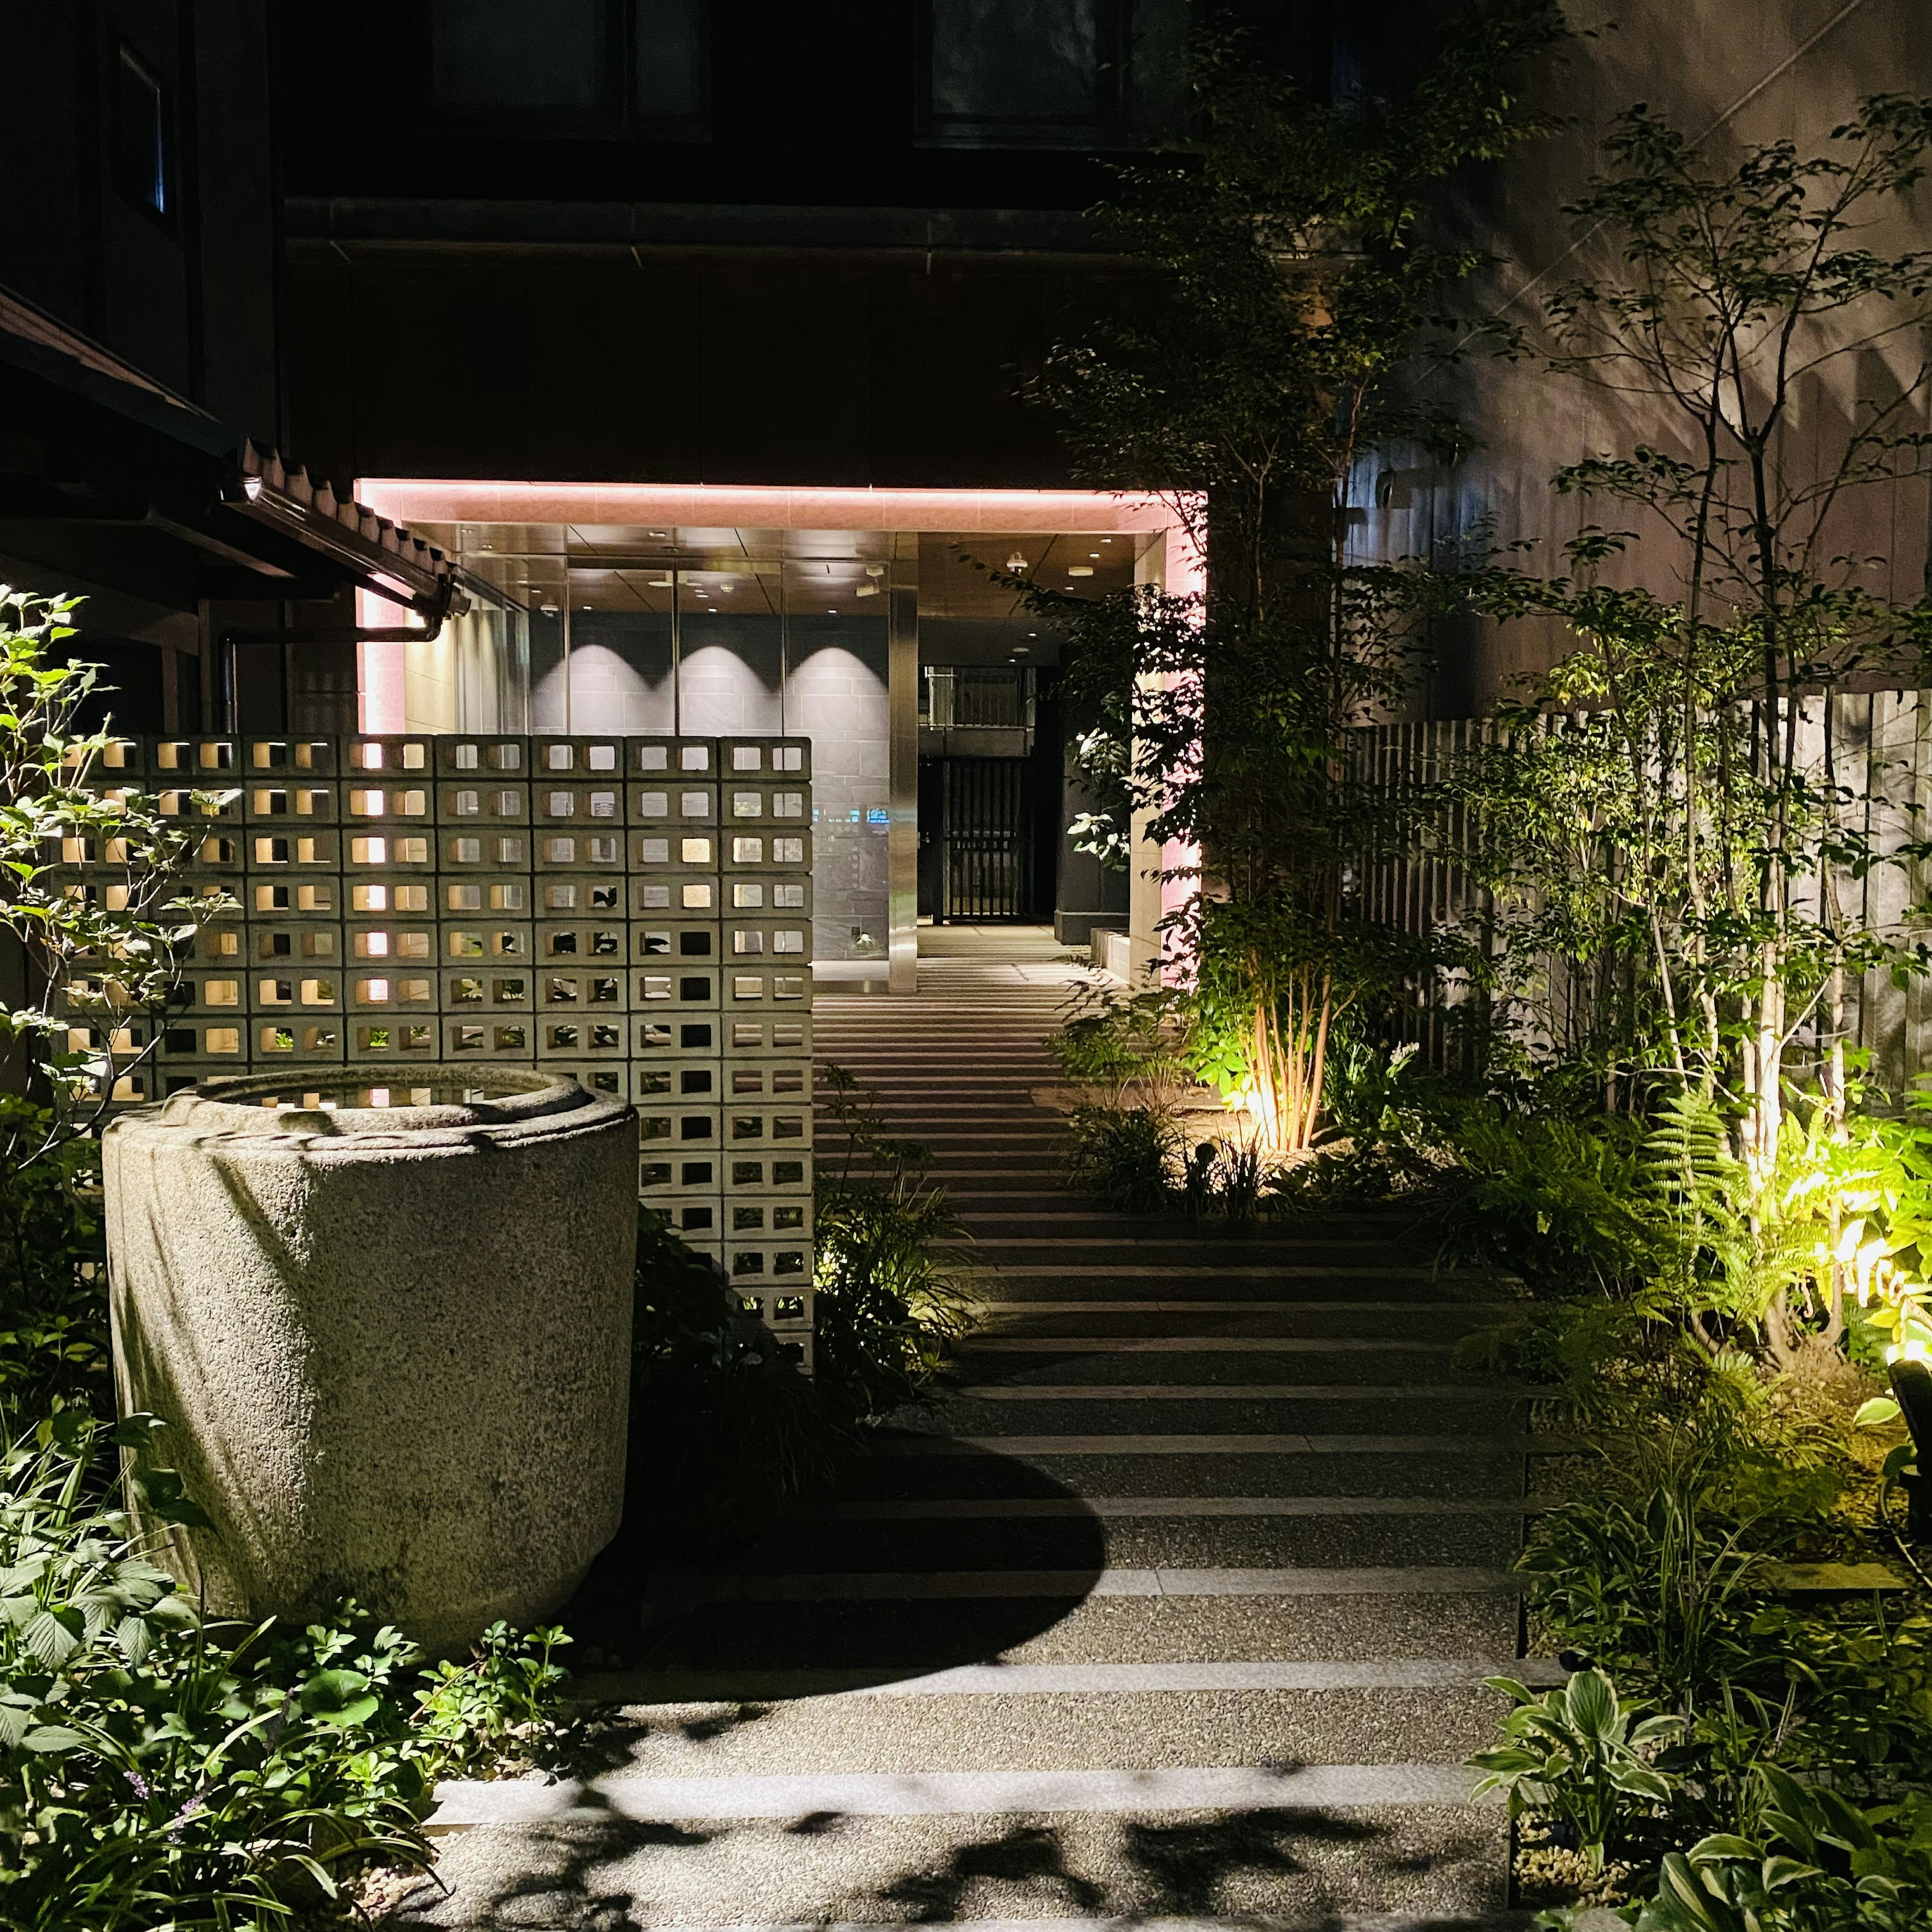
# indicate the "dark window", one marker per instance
pixel 1050 73
pixel 668 63
pixel 601 70
pixel 142 142
pixel 512 55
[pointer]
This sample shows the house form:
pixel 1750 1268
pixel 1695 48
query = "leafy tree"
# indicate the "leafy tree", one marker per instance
pixel 101 952
pixel 1744 297
pixel 1297 266
pixel 107 947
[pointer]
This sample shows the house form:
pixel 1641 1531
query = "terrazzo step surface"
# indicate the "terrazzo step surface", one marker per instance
pixel 1176 1610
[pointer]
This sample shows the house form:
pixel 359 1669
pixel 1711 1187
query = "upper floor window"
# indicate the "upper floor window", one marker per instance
pixel 599 70
pixel 1050 73
pixel 142 138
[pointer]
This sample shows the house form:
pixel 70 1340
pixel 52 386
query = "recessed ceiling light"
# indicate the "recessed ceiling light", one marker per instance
pixel 875 570
pixel 1093 552
pixel 661 583
pixel 1080 570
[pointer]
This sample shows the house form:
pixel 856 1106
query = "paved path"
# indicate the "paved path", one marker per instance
pixel 1178 1610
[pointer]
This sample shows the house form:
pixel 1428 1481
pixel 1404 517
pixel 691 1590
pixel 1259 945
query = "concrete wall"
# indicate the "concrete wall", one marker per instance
pixel 1749 73
pixel 836 692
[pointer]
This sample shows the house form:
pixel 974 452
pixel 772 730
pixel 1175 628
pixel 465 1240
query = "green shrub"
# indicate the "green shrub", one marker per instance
pixel 891 1302
pixel 1814 1862
pixel 53 1282
pixel 1126 1155
pixel 1126 1040
pixel 1557 1202
pixel 162 1770
pixel 159 1768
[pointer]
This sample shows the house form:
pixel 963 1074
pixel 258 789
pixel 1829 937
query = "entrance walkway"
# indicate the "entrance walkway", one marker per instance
pixel 1178 1610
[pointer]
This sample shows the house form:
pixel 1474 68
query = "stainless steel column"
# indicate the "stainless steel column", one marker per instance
pixel 902 779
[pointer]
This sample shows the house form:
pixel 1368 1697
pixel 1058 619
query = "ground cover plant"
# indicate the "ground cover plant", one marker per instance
pixel 158 1767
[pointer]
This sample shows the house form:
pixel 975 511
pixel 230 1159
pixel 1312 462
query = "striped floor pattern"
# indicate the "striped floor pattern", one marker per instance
pixel 1176 1611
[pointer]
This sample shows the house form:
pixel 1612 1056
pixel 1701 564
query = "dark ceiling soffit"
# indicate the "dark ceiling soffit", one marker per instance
pixel 658 226
pixel 38 346
pixel 170 467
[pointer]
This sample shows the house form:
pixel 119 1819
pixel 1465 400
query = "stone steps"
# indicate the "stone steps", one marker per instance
pixel 1177 1610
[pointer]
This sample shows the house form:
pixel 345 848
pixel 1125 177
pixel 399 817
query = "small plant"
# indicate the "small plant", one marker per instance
pixel 1815 1863
pixel 890 1303
pixel 498 1710
pixel 1573 1755
pixel 1127 1155
pixel 1137 1041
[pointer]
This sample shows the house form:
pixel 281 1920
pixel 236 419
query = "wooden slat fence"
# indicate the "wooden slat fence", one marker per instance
pixel 1880 751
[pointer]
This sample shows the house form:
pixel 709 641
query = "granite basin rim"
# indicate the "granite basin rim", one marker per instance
pixel 524 1104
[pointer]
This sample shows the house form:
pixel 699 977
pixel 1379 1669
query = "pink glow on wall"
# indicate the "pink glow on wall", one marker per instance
pixel 1185 578
pixel 381 670
pixel 725 505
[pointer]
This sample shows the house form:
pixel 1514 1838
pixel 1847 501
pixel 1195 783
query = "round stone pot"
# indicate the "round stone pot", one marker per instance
pixel 392 1343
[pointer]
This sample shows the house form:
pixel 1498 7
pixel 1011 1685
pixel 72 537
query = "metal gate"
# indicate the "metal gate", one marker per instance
pixel 984 835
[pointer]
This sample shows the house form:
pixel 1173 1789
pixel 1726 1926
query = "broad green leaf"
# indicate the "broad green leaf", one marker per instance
pixel 54 1636
pixel 339 1697
pixel 1591 1703
pixel 49 1739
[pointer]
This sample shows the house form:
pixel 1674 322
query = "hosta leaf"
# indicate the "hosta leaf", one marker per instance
pixel 1591 1702
pixel 1725 1845
pixel 1872 1414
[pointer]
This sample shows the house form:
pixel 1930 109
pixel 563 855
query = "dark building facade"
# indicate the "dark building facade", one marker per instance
pixel 141 373
pixel 671 241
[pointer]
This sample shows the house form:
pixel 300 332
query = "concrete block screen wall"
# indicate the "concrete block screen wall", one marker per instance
pixel 635 912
